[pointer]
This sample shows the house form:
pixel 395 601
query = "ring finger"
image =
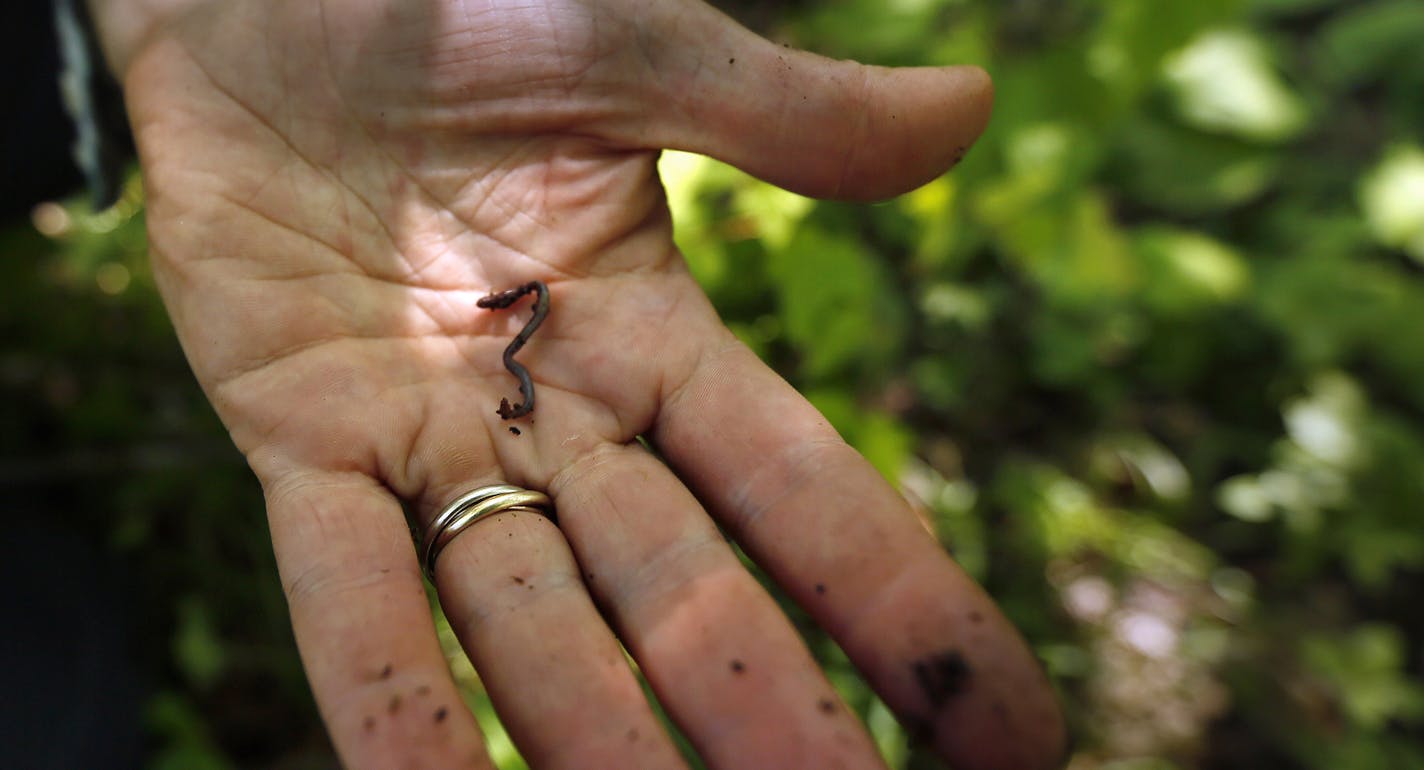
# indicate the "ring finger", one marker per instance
pixel 557 676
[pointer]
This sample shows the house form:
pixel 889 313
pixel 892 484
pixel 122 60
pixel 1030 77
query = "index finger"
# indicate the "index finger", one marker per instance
pixel 845 545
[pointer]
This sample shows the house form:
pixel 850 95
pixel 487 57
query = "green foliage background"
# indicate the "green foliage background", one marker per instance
pixel 1151 361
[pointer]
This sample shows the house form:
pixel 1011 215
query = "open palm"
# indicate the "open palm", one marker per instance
pixel 331 187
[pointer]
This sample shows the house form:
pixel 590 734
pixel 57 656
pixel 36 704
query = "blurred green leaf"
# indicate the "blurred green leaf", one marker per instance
pixel 1366 668
pixel 1369 39
pixel 1225 81
pixel 1189 172
pixel 1135 37
pixel 186 743
pixel 197 647
pixel 1190 272
pixel 1288 7
pixel 833 303
pixel 1392 196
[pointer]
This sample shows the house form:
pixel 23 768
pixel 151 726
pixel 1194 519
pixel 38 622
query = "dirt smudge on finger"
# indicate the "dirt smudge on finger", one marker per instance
pixel 942 676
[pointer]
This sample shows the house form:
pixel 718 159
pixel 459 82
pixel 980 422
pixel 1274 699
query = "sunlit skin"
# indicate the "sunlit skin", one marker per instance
pixel 331 187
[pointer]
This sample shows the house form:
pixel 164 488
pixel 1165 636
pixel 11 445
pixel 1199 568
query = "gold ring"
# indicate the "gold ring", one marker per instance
pixel 473 506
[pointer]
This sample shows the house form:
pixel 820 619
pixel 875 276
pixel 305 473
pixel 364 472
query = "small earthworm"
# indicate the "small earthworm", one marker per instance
pixel 504 299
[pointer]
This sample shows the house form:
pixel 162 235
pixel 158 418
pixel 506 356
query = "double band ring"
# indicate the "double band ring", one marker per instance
pixel 473 506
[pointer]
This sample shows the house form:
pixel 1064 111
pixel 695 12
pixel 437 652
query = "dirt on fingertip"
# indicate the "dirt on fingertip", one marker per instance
pixel 943 676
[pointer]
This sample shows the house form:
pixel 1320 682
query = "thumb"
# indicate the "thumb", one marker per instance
pixel 813 125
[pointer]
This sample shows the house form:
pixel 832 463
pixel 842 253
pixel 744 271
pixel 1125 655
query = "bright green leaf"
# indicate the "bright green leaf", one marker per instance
pixel 1225 81
pixel 1392 196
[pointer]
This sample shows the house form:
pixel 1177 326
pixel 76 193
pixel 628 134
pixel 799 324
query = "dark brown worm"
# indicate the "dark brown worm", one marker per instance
pixel 504 299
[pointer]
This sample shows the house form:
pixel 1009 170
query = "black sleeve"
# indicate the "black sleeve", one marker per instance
pixel 65 123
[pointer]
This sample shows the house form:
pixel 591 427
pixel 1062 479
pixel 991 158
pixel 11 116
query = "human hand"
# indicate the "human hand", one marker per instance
pixel 330 188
